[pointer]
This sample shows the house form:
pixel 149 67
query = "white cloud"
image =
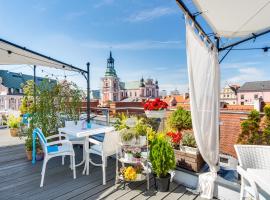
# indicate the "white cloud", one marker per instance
pixel 136 45
pixel 169 87
pixel 103 3
pixel 150 14
pixel 247 74
pixel 237 65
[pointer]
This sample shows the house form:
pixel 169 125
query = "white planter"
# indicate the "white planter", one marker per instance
pixel 139 177
pixel 128 156
pixel 142 140
pixel 155 113
pixel 131 142
pixel 190 150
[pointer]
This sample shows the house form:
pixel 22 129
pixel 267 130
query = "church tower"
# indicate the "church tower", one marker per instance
pixel 110 83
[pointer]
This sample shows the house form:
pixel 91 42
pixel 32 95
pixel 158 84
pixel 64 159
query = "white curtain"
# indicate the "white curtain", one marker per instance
pixel 204 86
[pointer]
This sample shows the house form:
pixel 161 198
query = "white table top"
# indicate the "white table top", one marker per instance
pixel 77 131
pixel 261 177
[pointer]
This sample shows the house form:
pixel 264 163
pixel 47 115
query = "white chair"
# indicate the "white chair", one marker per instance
pixel 54 149
pixel 74 140
pixel 253 157
pixel 105 148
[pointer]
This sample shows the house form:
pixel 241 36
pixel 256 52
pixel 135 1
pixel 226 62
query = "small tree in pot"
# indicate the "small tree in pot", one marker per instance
pixel 14 124
pixel 163 160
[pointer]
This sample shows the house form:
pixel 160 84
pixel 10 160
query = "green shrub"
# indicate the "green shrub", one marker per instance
pixel 251 133
pixel 14 122
pixel 127 134
pixel 120 123
pixel 189 140
pixel 161 156
pixel 141 127
pixel 180 120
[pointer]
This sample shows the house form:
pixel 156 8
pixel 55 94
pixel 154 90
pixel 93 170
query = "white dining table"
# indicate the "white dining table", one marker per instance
pixel 78 132
pixel 261 177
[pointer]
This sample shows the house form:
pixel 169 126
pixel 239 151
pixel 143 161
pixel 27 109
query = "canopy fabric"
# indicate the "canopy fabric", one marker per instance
pixel 235 18
pixel 12 54
pixel 204 85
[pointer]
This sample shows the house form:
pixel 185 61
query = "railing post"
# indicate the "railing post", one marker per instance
pixel 88 93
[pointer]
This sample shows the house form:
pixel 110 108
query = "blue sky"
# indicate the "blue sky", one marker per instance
pixel 147 39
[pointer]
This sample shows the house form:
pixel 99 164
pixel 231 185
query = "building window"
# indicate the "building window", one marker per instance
pixel 224 95
pixel 242 96
pixel 228 95
pixel 255 96
pixel 242 103
pixel 130 94
pixel 135 94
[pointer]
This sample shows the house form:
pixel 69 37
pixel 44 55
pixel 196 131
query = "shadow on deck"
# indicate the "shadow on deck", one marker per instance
pixel 19 179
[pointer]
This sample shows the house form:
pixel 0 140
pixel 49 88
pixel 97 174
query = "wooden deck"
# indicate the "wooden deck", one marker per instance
pixel 19 179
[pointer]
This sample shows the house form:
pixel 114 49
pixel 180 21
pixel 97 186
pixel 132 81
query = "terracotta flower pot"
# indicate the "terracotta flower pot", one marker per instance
pixel 28 154
pixel 14 132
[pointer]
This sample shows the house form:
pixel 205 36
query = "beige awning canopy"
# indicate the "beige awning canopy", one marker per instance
pixel 235 18
pixel 12 54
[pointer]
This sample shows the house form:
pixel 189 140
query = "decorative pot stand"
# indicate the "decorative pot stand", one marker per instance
pixel 144 161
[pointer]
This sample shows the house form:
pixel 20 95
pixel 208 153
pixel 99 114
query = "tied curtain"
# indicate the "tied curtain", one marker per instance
pixel 204 86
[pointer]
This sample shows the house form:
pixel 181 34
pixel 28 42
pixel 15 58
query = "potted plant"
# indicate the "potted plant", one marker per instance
pixel 141 131
pixel 186 153
pixel 188 156
pixel 29 149
pixel 128 136
pixel 14 124
pixel 155 108
pixel 130 173
pixel 163 160
pixel 128 155
pixel 137 155
pixel 139 169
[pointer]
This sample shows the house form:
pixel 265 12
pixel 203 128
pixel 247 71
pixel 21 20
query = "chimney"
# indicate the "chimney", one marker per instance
pixel 258 103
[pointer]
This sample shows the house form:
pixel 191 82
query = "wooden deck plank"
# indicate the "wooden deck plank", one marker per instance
pixel 73 193
pixel 118 190
pixel 188 196
pixel 176 194
pixel 19 180
pixel 133 193
pixel 157 195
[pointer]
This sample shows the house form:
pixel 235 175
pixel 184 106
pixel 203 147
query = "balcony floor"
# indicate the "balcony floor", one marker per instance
pixel 19 179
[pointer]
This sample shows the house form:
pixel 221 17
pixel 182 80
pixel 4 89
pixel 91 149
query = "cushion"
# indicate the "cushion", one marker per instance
pixel 99 137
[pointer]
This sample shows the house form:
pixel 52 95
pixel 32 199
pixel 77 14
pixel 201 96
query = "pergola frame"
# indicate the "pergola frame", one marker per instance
pixel 85 73
pixel 197 25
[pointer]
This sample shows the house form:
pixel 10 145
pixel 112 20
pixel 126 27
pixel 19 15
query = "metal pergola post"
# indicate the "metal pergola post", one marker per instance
pixel 35 88
pixel 88 92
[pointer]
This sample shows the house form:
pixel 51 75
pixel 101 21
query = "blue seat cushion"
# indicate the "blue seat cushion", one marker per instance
pixel 99 137
pixel 53 148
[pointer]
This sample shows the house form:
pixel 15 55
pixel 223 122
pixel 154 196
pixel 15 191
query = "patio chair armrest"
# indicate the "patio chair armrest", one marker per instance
pixel 93 141
pixel 245 175
pixel 60 135
pixel 59 142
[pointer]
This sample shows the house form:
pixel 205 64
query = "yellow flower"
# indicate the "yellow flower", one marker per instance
pixel 130 174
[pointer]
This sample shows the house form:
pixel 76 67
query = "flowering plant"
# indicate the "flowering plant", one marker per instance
pixel 130 173
pixel 175 137
pixel 139 168
pixel 156 104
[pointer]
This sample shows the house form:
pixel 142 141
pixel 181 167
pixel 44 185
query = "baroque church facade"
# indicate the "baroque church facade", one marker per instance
pixel 115 90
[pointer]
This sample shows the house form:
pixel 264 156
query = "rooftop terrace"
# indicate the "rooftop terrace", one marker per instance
pixel 19 179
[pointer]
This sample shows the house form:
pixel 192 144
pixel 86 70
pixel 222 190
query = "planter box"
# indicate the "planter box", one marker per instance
pixel 155 113
pixel 189 158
